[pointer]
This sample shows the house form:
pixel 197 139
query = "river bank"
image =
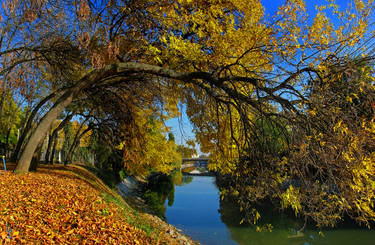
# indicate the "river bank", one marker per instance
pixel 131 189
pixel 195 206
pixel 71 205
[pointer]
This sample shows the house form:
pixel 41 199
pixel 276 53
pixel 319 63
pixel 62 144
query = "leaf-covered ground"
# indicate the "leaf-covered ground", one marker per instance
pixel 54 205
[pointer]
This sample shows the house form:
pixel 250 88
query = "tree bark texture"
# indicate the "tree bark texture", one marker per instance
pixel 42 129
pixel 28 125
pixel 62 102
pixel 36 157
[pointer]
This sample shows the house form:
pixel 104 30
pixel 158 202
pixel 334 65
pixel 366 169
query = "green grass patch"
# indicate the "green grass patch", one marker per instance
pixel 132 216
pixel 109 194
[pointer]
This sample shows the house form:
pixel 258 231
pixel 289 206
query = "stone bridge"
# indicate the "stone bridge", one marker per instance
pixel 194 162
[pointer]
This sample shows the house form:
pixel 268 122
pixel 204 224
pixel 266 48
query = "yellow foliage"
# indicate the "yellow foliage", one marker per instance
pixel 150 151
pixel 290 199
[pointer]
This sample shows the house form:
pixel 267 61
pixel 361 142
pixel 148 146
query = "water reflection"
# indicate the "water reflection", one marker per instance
pixel 160 191
pixel 193 204
pixel 179 179
pixel 285 229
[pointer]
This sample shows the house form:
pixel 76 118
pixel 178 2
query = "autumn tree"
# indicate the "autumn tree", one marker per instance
pixel 321 172
pixel 245 67
pixel 333 157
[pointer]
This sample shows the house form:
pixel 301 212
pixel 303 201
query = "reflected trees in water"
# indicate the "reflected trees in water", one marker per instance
pixel 160 188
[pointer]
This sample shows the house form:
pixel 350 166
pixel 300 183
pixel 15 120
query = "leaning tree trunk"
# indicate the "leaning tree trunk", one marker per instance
pixel 96 76
pixel 55 139
pixel 63 101
pixel 36 157
pixel 54 133
pixel 45 123
pixel 43 127
pixel 48 150
pixel 27 127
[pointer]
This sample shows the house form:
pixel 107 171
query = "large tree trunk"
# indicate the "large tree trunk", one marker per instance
pixel 42 129
pixel 36 157
pixel 27 127
pixel 48 150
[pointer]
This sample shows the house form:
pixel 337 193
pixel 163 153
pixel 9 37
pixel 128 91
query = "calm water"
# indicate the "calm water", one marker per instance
pixel 196 211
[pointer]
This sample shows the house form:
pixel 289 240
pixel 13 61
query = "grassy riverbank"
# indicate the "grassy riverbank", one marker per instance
pixel 70 204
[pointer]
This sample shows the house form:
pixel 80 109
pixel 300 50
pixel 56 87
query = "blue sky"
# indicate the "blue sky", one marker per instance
pixel 272 5
pixel 181 127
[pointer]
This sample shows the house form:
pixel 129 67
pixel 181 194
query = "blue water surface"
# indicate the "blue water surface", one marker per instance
pixel 196 212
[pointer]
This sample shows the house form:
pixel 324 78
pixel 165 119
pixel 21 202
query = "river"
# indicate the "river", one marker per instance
pixel 196 209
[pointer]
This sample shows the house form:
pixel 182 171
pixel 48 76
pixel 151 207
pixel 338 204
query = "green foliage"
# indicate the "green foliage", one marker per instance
pixel 171 137
pixel 123 173
pixel 160 187
pixel 12 119
pixel 271 135
pixel 149 150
